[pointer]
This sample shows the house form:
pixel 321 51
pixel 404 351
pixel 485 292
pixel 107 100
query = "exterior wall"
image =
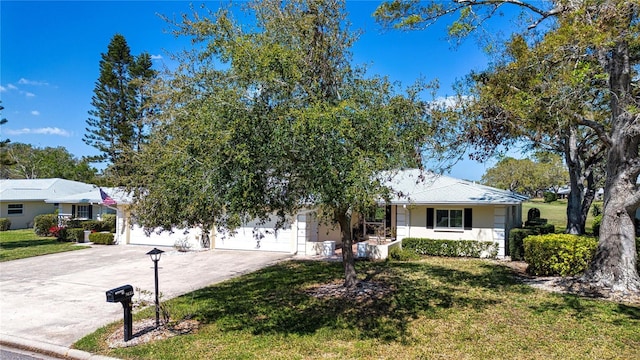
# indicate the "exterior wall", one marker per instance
pixel 490 223
pixel 96 212
pixel 30 209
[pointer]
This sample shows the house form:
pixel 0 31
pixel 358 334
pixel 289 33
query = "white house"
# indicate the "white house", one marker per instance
pixel 23 199
pixel 431 206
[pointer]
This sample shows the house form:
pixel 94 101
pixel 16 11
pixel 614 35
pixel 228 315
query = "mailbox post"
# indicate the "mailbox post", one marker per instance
pixel 123 295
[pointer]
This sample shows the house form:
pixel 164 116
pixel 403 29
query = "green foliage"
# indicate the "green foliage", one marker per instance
pixel 24 243
pixel 93 225
pixel 516 244
pixel 400 254
pixel 75 234
pixel 450 248
pixel 558 254
pixel 527 176
pixel 102 238
pixel 550 196
pixel 596 210
pixel 108 222
pixel 5 224
pixel 595 227
pixel 42 224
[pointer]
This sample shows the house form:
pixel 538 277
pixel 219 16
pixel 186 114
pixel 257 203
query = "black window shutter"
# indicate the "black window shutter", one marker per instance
pixel 90 212
pixel 429 218
pixel 73 211
pixel 468 219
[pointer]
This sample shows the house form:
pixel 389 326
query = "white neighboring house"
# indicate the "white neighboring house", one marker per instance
pixel 23 199
pixel 437 207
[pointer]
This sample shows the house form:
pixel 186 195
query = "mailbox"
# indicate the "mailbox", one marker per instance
pixel 123 295
pixel 120 294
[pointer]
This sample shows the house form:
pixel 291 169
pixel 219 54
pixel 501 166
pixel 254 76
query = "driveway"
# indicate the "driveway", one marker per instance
pixel 59 298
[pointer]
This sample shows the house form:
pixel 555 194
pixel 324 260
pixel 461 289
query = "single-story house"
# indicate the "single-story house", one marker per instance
pixel 21 200
pixel 431 206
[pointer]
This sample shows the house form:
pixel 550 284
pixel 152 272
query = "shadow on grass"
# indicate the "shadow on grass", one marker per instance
pixel 10 245
pixel 273 300
pixel 583 308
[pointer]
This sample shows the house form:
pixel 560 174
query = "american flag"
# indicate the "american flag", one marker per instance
pixel 106 199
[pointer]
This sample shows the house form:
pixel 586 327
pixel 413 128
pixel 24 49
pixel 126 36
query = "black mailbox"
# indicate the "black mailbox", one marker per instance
pixel 123 295
pixel 120 294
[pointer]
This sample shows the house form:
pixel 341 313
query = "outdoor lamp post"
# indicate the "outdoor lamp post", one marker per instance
pixel 155 257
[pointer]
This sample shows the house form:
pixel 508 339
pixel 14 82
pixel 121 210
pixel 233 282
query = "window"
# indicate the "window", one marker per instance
pixel 15 209
pixel 449 219
pixel 83 212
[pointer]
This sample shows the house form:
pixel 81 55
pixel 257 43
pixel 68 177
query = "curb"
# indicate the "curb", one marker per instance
pixel 49 349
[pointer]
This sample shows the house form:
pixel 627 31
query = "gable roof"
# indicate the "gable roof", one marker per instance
pixel 427 188
pixel 89 197
pixel 39 189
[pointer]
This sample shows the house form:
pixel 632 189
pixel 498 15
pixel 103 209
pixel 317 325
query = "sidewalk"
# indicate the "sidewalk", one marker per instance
pixel 50 302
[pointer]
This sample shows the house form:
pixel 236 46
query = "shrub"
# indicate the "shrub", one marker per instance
pixel 104 238
pixel 75 234
pixel 596 210
pixel 92 225
pixel 109 222
pixel 398 254
pixel 516 247
pixel 549 196
pixel 5 224
pixel 42 224
pixel 558 254
pixel 595 226
pixel 451 248
pixel 60 232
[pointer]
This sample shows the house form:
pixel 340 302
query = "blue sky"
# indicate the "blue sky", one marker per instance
pixel 50 51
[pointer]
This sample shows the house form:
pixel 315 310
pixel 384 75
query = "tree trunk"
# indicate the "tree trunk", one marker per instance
pixel 614 265
pixel 344 220
pixel 575 219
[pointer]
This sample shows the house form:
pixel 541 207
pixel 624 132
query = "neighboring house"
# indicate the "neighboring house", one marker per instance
pixel 86 205
pixel 23 199
pixel 432 206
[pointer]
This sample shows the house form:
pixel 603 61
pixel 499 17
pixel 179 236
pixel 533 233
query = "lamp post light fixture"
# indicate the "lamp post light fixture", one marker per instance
pixel 155 255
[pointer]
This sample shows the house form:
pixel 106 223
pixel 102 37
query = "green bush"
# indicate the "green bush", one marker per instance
pixel 5 224
pixel 92 225
pixel 549 196
pixel 42 224
pixel 516 247
pixel 398 254
pixel 75 234
pixel 103 238
pixel 109 222
pixel 542 229
pixel 558 254
pixel 595 225
pixel 451 248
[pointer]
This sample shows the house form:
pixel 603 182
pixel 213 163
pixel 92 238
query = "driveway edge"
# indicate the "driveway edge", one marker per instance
pixel 49 349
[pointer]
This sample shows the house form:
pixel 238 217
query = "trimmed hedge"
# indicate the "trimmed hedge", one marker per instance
pixel 92 225
pixel 450 248
pixel 109 222
pixel 5 224
pixel 517 235
pixel 595 225
pixel 398 254
pixel 558 254
pixel 103 238
pixel 42 224
pixel 75 234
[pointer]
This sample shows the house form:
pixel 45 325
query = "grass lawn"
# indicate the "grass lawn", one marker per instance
pixel 441 308
pixel 20 244
pixel 555 213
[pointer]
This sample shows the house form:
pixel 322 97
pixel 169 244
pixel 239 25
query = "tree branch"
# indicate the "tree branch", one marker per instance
pixel 597 127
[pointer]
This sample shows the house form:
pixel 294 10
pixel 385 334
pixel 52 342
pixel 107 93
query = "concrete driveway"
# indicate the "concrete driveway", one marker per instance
pixel 57 299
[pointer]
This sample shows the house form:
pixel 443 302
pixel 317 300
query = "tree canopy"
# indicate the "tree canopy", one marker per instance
pixel 266 118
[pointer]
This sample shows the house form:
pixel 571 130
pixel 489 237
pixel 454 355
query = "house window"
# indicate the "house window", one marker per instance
pixel 449 219
pixel 14 209
pixel 83 212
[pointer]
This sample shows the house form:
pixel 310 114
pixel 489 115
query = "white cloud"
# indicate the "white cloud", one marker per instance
pixel 24 81
pixel 29 94
pixel 35 112
pixel 11 87
pixel 39 131
pixel 3 89
pixel 156 57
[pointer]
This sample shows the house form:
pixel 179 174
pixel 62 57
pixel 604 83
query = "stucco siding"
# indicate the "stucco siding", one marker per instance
pixel 30 209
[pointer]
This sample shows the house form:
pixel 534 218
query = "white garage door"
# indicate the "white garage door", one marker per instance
pixel 252 236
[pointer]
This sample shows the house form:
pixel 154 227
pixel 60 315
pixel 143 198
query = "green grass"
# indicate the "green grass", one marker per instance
pixel 20 244
pixel 441 308
pixel 555 213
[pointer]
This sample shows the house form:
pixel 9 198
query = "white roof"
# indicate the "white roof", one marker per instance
pixel 40 189
pixel 89 197
pixel 426 188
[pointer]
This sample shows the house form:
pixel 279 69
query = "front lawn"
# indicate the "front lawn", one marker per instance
pixel 556 213
pixel 20 244
pixel 439 308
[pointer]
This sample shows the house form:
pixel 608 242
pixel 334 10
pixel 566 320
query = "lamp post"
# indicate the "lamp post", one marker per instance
pixel 155 257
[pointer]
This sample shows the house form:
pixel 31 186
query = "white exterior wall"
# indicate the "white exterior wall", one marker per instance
pixel 30 209
pixel 489 224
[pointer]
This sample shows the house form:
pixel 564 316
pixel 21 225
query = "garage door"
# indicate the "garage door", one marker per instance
pixel 253 236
